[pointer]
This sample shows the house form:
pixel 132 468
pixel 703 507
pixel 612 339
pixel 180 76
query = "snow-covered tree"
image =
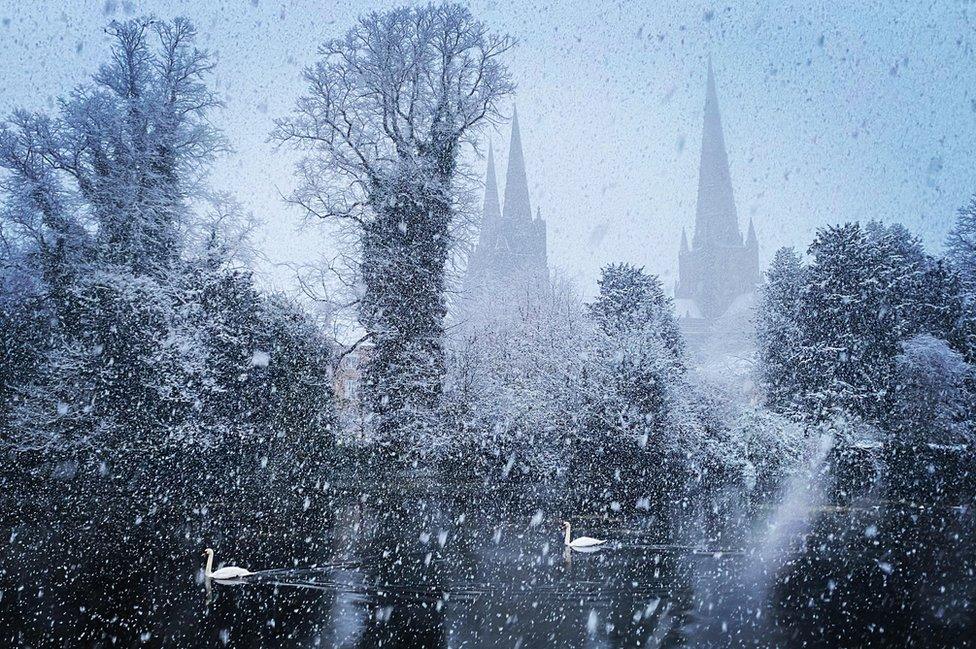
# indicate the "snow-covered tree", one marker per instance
pixel 24 328
pixel 861 300
pixel 931 397
pixel 631 300
pixel 961 245
pixel 268 366
pixel 387 109
pixel 544 387
pixel 769 446
pixel 778 336
pixel 121 337
pixel 118 378
pixel 138 141
pixel 514 391
pixel 38 223
pixel 829 333
pixel 299 405
pixel 639 382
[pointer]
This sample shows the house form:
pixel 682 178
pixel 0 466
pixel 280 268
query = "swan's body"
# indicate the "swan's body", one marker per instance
pixel 227 572
pixel 581 542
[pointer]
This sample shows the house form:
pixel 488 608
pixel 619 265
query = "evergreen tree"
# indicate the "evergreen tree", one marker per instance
pixel 643 348
pixel 931 395
pixel 957 276
pixel 778 336
pixel 829 334
pixel 852 320
pixel 961 246
pixel 631 300
pixel 24 329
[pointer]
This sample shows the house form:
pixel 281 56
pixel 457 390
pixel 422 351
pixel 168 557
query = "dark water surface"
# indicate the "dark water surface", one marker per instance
pixel 420 564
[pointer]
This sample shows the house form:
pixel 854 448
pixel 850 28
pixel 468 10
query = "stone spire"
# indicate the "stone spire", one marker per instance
pixel 718 266
pixel 516 206
pixel 716 221
pixel 491 213
pixel 511 253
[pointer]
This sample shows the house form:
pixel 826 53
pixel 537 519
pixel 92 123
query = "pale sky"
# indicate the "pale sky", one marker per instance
pixel 830 114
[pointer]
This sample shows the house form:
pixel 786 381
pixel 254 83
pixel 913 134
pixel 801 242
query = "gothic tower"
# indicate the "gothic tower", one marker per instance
pixel 511 247
pixel 718 266
pixel 517 207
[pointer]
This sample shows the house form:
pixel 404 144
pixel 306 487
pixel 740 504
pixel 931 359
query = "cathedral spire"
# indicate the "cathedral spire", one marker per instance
pixel 716 221
pixel 719 266
pixel 516 206
pixel 491 214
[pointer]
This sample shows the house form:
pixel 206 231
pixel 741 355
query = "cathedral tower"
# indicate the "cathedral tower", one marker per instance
pixel 718 266
pixel 511 246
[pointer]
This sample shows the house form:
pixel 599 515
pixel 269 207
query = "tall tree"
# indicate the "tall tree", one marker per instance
pixel 829 333
pixel 387 107
pixel 853 317
pixel 642 376
pixel 37 210
pixel 138 141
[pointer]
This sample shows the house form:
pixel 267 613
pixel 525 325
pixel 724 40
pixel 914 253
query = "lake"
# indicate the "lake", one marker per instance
pixel 420 562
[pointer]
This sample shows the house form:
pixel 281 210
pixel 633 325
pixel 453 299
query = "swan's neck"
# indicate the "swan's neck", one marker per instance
pixel 209 569
pixel 568 528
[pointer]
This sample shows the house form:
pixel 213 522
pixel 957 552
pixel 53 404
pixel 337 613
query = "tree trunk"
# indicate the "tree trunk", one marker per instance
pixel 405 252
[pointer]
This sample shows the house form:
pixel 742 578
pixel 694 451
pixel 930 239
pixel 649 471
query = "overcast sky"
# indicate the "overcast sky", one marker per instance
pixel 830 114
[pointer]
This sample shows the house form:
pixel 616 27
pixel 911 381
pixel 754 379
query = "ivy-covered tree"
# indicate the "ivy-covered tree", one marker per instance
pixel 387 109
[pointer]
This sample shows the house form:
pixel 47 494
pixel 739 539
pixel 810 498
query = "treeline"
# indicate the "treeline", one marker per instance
pixel 599 394
pixel 878 336
pixel 131 333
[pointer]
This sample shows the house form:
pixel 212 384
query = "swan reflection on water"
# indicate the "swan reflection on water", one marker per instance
pixel 208 586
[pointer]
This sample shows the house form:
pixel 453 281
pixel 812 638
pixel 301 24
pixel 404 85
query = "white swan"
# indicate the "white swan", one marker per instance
pixel 227 572
pixel 581 542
